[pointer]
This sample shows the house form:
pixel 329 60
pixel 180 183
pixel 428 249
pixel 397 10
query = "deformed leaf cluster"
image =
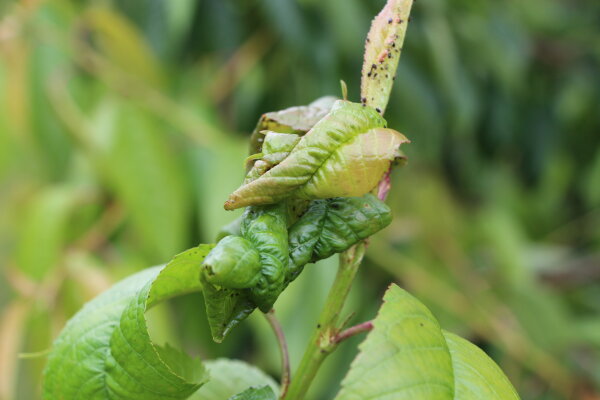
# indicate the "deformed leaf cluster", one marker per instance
pixel 307 197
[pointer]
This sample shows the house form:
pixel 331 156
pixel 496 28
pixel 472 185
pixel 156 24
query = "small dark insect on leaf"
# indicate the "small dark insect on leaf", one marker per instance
pixel 390 21
pixel 378 110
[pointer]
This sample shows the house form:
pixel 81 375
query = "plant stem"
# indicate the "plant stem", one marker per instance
pixel 353 330
pixel 283 349
pixel 323 342
pixel 382 51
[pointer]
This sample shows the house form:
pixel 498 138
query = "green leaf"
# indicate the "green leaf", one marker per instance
pixel 123 45
pixel 408 356
pixel 382 53
pixel 225 308
pixel 266 228
pixel 298 120
pixel 247 271
pixel 229 377
pixel 234 262
pixel 44 229
pixel 275 148
pixel 147 177
pixel 345 154
pixel 105 351
pixel 263 393
pixel 333 225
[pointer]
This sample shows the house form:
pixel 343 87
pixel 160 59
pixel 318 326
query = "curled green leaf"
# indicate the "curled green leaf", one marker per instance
pixel 333 225
pixel 298 120
pixel 266 228
pixel 251 270
pixel 233 262
pixel 246 271
pixel 345 154
pixel 276 147
pixel 225 307
pixel 105 351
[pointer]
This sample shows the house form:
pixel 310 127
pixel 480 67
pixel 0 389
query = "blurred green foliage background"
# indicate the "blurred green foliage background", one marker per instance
pixel 123 127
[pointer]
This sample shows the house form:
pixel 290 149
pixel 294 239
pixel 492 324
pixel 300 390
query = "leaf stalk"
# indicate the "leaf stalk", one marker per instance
pixel 283 349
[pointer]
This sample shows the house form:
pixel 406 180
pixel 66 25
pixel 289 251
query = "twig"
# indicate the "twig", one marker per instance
pixel 283 349
pixel 382 51
pixel 322 342
pixel 353 330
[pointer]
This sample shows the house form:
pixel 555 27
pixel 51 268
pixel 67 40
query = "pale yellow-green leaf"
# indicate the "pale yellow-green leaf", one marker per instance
pixel 408 356
pixel 345 154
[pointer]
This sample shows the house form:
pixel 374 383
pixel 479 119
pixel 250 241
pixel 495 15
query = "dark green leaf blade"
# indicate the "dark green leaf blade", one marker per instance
pixel 225 308
pixel 333 225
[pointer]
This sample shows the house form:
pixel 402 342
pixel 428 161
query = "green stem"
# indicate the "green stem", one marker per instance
pixel 323 342
pixel 382 52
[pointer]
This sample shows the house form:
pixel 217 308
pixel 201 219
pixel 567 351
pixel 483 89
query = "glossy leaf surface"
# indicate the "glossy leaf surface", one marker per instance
pixel 333 225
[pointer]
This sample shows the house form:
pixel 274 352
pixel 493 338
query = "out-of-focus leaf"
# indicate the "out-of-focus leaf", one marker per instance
pixel 12 325
pixel 123 44
pixel 230 377
pixel 408 356
pixel 105 350
pixel 44 230
pixel 591 186
pixel 148 179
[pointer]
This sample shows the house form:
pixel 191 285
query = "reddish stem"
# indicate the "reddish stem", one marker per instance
pixel 285 358
pixel 353 330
